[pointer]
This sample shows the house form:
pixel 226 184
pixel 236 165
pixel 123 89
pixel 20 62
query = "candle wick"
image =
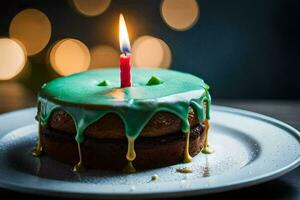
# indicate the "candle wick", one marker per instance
pixel 125 53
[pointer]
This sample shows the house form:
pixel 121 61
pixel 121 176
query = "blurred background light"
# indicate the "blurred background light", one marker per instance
pixel 180 14
pixel 69 56
pixel 12 58
pixel 148 51
pixel 32 28
pixel 91 8
pixel 167 59
pixel 15 95
pixel 104 56
pixel 261 49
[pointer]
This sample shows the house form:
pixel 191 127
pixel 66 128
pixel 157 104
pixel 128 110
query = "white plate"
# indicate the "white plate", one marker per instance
pixel 249 149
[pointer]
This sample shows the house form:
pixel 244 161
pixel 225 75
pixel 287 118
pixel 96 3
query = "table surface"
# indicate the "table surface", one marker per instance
pixel 14 96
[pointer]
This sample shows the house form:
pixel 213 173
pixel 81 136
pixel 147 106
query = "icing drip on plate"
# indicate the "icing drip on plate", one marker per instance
pixel 130 156
pixel 86 101
pixel 187 158
pixel 206 149
pixel 38 149
pixel 79 166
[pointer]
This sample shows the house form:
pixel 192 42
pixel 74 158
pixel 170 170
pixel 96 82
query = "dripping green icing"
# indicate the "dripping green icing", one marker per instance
pixel 80 96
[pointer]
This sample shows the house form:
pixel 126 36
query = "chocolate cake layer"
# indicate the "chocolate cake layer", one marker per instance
pixel 152 152
pixel 112 127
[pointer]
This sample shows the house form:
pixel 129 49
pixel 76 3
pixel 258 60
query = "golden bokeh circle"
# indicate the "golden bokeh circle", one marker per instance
pixel 69 56
pixel 167 59
pixel 12 58
pixel 180 15
pixel 33 28
pixel 91 8
pixel 148 51
pixel 103 56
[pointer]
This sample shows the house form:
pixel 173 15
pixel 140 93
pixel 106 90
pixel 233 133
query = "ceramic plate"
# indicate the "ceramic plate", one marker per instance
pixel 249 149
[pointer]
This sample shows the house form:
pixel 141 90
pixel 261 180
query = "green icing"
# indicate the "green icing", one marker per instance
pixel 86 102
pixel 154 81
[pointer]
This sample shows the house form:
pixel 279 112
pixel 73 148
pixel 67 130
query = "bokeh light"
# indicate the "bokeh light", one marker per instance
pixel 69 56
pixel 180 14
pixel 167 59
pixel 104 56
pixel 148 51
pixel 32 28
pixel 91 8
pixel 12 58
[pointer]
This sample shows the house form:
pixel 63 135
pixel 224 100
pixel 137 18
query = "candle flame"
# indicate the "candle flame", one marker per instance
pixel 123 35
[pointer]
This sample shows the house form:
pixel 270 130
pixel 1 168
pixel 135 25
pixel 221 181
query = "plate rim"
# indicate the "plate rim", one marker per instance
pixel 189 192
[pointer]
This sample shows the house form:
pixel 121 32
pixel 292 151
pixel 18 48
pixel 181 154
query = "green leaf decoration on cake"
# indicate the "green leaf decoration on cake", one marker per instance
pixel 206 87
pixel 154 80
pixel 104 83
pixel 44 85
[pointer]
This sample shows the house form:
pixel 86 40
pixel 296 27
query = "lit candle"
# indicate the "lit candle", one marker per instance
pixel 125 74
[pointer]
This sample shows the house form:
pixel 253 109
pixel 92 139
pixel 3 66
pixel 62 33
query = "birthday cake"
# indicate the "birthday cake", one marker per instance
pixel 88 121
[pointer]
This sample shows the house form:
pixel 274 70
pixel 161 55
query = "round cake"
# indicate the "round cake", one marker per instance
pixel 87 120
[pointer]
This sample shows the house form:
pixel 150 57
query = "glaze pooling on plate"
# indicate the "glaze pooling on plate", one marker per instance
pixel 86 100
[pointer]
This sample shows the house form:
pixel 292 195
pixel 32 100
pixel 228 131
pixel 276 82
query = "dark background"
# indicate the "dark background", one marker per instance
pixel 243 49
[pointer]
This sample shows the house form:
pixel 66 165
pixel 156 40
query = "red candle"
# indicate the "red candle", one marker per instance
pixel 125 74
